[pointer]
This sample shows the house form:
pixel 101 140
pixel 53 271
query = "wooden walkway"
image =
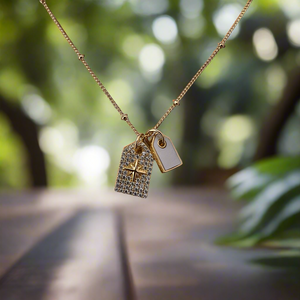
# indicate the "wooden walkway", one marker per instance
pixel 106 246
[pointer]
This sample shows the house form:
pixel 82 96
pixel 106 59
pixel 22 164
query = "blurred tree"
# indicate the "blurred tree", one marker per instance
pixel 278 117
pixel 27 130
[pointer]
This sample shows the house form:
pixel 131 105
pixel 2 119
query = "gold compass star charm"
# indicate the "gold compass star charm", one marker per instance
pixel 135 171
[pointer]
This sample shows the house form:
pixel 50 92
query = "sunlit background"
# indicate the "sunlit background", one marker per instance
pixel 144 52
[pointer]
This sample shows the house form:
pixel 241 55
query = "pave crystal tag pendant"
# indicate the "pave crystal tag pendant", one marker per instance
pixel 164 152
pixel 135 170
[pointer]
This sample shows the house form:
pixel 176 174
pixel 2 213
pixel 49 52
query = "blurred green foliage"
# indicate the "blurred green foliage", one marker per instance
pixel 272 216
pixel 11 157
pixel 217 123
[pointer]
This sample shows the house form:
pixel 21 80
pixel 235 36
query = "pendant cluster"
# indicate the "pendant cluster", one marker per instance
pixel 137 162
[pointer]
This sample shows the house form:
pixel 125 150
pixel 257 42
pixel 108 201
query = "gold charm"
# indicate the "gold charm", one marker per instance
pixel 135 170
pixel 163 151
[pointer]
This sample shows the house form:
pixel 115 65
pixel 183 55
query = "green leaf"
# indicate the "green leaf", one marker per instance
pixel 286 260
pixel 240 241
pixel 248 189
pixel 230 239
pixel 284 219
pixel 269 202
pixel 247 183
pixel 278 166
pixel 289 234
pixel 270 166
pixel 286 243
pixel 242 176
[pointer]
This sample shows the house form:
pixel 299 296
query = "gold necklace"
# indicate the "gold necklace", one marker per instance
pixel 137 158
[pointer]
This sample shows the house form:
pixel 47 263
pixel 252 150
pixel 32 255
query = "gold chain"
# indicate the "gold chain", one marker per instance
pixel 221 45
pixel 176 102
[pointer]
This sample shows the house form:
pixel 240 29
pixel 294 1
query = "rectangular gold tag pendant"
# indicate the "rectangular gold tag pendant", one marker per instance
pixel 135 170
pixel 164 152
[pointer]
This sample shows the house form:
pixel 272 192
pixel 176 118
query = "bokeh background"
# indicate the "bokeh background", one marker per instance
pixel 58 129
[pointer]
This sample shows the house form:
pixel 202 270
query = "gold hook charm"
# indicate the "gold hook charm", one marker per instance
pixel 161 143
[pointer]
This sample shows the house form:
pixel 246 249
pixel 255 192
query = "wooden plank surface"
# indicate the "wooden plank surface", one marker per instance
pixel 170 242
pixel 21 232
pixel 79 260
